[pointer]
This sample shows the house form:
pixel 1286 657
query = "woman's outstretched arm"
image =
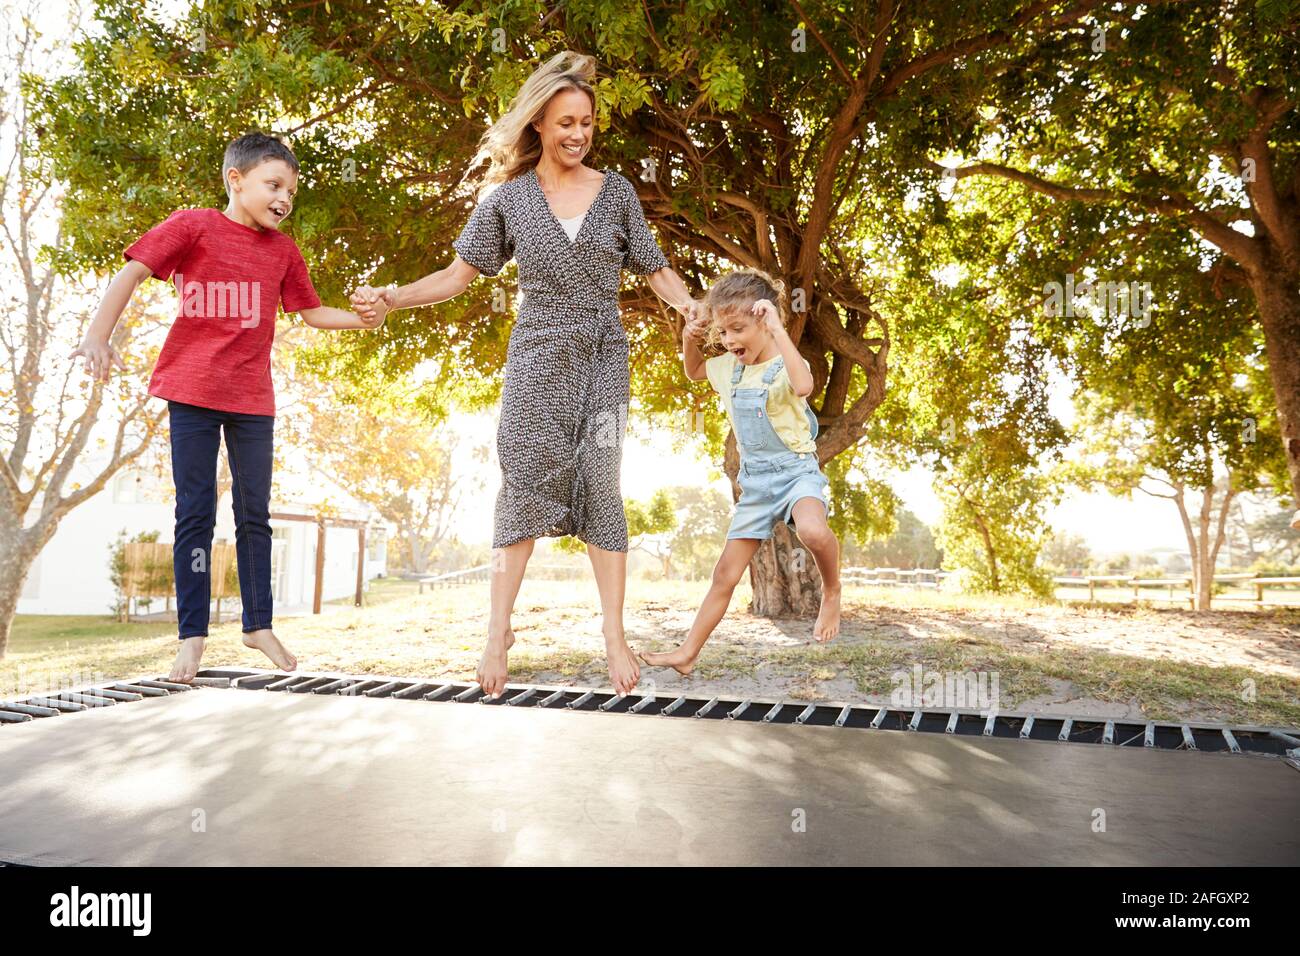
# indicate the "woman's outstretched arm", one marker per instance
pixel 446 283
pixel 668 285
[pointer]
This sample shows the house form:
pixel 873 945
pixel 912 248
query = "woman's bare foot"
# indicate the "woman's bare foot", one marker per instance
pixel 828 618
pixel 623 670
pixel 492 667
pixel 678 659
pixel 266 642
pixel 186 665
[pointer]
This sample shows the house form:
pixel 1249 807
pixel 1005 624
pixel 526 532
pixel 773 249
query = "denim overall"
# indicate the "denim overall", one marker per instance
pixel 772 477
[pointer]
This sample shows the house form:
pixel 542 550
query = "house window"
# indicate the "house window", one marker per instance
pixel 126 488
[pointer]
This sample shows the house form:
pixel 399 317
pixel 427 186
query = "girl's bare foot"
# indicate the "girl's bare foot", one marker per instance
pixel 678 659
pixel 492 667
pixel 266 642
pixel 623 670
pixel 186 665
pixel 828 618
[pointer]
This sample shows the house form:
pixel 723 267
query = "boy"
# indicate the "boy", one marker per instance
pixel 764 383
pixel 232 269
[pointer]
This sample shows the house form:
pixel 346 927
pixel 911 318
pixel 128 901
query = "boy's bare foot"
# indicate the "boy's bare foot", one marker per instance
pixel 828 618
pixel 492 667
pixel 186 665
pixel 680 661
pixel 266 642
pixel 623 670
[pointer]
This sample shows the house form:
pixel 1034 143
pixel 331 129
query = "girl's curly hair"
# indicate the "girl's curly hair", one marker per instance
pixel 740 289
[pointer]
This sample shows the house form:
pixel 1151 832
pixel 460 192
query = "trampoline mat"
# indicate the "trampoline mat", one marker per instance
pixel 222 777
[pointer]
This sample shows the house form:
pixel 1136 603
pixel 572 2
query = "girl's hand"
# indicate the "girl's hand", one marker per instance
pixel 767 314
pixel 100 357
pixel 697 322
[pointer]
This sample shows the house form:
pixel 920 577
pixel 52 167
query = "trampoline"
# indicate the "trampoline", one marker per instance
pixel 257 768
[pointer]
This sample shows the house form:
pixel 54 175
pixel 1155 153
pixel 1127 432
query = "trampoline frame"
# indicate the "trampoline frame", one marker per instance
pixel 1202 737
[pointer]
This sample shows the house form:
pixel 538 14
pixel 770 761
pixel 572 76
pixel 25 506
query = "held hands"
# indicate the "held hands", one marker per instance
pixel 372 305
pixel 99 357
pixel 697 321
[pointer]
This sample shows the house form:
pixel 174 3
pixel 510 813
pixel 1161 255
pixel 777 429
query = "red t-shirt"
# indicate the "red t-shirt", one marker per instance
pixel 230 279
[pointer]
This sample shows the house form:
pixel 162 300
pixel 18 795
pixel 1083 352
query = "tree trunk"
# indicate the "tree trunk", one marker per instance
pixel 14 566
pixel 1279 311
pixel 784 577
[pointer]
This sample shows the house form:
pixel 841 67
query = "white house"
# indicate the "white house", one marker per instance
pixel 71 574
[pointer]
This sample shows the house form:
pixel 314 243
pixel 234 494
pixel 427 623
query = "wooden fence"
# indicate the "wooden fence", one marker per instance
pixel 1247 581
pixel 147 574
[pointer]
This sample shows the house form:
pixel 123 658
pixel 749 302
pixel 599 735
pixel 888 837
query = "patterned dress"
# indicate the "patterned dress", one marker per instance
pixel 565 397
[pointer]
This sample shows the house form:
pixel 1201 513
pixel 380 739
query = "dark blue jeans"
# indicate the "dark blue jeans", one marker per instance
pixel 196 440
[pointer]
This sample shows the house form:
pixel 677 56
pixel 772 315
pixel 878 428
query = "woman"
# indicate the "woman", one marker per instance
pixel 571 230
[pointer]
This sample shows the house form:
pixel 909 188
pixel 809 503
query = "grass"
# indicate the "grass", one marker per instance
pixel 439 633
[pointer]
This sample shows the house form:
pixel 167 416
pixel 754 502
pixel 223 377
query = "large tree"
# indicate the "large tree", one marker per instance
pixel 1152 117
pixel 756 137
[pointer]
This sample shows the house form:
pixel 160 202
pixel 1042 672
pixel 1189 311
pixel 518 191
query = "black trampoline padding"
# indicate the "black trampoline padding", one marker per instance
pixel 215 777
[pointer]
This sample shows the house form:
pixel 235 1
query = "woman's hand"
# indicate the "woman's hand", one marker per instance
pixel 697 321
pixel 100 357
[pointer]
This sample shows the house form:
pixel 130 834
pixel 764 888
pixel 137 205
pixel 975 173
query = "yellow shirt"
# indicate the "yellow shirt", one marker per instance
pixel 785 409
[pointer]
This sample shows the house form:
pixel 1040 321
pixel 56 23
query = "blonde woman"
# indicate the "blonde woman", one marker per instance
pixel 571 230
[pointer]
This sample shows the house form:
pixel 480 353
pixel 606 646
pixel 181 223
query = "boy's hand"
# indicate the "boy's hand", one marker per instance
pixel 366 301
pixel 100 357
pixel 767 314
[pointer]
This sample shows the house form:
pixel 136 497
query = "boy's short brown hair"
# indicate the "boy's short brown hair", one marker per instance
pixel 740 289
pixel 252 149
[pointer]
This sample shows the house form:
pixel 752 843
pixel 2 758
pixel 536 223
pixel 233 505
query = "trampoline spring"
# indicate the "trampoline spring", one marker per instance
pixel 806 713
pixel 142 691
pixel 915 722
pixel 1066 729
pixel 1232 741
pixel 988 724
pixel 1285 738
pixel 607 705
pixel 843 717
pixel 357 688
pixel 466 694
pixel 673 707
pixel 771 714
pixel 1188 740
pixel 117 694
pixel 548 701
pixel 575 704
pixel 165 685
pixel 90 700
pixel 738 709
pixel 952 723
pixel 211 681
pixel 441 692
pixel 876 721
pixel 1028 729
pixel 1108 735
pixel 8 717
pixel 521 697
pixel 65 705
pixel 642 704
pixel 309 684
pixel 1149 735
pixel 703 711
pixel 381 689
pixel 26 708
pixel 331 686
pixel 282 683
pixel 411 691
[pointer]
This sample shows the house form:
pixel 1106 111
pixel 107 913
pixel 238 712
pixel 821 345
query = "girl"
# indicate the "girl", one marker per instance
pixel 764 384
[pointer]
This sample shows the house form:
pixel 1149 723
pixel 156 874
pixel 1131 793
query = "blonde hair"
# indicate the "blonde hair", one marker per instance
pixel 740 289
pixel 511 144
